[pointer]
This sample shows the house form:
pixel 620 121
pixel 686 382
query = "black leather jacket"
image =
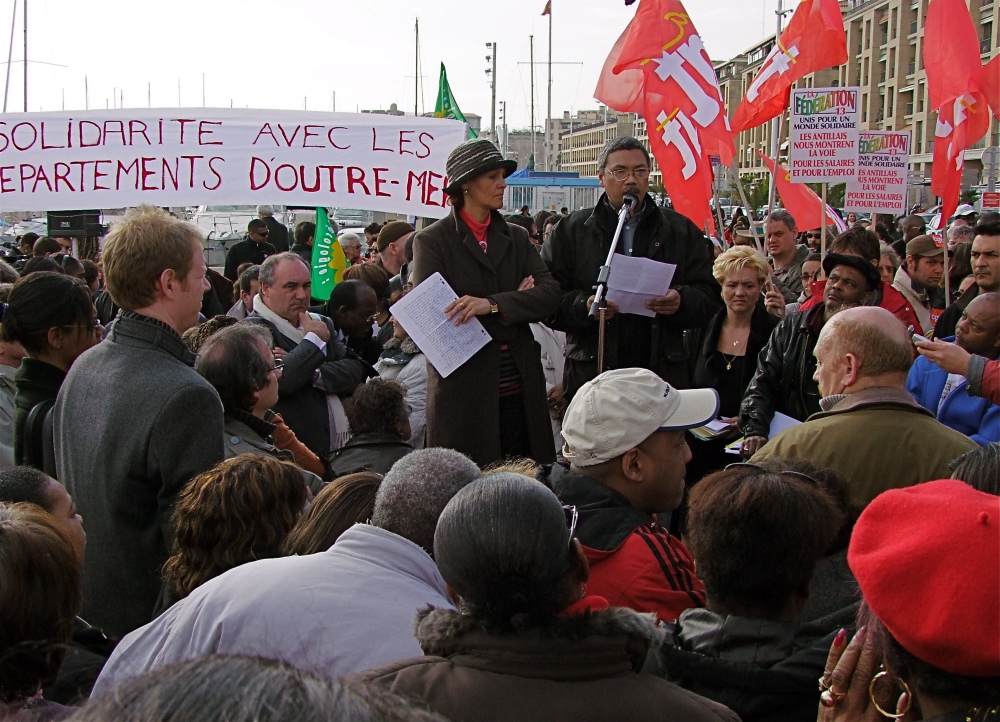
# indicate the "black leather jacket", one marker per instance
pixel 575 252
pixel 784 378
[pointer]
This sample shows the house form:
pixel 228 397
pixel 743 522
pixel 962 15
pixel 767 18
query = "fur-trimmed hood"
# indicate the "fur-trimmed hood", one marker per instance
pixel 611 633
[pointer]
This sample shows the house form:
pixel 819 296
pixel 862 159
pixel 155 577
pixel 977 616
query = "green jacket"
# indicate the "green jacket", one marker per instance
pixel 878 439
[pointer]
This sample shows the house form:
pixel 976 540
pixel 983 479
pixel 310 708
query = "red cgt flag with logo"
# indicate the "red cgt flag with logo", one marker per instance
pixel 659 69
pixel 799 199
pixel 957 87
pixel 814 39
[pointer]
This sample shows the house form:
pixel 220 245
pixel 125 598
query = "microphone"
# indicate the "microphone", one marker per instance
pixel 630 202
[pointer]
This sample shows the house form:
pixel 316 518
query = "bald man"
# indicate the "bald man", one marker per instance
pixel 863 357
pixel 946 395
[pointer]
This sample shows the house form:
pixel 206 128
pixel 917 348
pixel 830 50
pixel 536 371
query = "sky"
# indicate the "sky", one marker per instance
pixel 300 53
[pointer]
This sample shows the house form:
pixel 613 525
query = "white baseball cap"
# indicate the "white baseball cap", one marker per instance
pixel 620 409
pixel 964 210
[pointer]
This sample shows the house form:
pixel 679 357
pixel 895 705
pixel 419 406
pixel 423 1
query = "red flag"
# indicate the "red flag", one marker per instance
pixel 548 8
pixel 799 199
pixel 991 84
pixel 956 81
pixel 659 69
pixel 814 39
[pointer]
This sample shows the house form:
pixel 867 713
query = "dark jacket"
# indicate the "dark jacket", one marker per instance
pixel 783 381
pixel 86 654
pixel 304 252
pixel 368 452
pixel 764 671
pixel 133 423
pixel 581 668
pixel 950 317
pixel 243 252
pixel 302 403
pixel 453 419
pixel 634 562
pixel 277 233
pixel 37 383
pixel 575 252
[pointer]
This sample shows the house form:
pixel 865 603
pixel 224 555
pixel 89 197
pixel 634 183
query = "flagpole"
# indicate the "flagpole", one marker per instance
pixel 776 123
pixel 822 228
pixel 746 205
pixel 947 281
pixel 531 45
pixel 416 66
pixel 548 117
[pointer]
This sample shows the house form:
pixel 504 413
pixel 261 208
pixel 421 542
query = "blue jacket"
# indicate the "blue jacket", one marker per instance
pixel 975 417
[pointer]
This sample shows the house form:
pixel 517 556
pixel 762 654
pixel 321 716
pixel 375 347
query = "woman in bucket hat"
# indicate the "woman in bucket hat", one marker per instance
pixel 493 406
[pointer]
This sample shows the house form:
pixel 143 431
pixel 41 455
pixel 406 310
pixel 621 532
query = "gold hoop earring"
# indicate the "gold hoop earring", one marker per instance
pixel 906 691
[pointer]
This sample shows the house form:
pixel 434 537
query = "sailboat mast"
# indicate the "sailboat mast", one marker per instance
pixel 416 67
pixel 531 45
pixel 548 117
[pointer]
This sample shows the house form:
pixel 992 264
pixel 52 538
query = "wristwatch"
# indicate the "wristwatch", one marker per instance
pixel 493 305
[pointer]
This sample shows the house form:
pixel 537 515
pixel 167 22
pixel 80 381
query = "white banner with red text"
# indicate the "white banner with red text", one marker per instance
pixel 211 156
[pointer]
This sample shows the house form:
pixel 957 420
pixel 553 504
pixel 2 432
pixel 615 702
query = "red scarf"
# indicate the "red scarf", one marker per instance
pixel 478 229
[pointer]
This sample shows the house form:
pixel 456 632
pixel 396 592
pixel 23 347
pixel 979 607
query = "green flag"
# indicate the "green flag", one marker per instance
pixel 328 259
pixel 446 106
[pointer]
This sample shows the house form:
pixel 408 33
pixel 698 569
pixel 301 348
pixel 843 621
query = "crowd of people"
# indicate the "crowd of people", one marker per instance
pixel 772 495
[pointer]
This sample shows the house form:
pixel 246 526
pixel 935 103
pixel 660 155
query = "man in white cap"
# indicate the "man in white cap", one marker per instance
pixel 625 442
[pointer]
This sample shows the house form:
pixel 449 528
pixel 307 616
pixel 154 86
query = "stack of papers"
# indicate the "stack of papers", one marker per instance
pixel 710 430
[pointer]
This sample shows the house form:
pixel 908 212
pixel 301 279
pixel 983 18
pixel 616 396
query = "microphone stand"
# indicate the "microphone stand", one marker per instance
pixel 598 309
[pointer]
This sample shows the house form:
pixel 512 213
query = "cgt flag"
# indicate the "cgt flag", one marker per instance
pixel 446 106
pixel 328 259
pixel 799 199
pixel 956 87
pixel 814 39
pixel 659 69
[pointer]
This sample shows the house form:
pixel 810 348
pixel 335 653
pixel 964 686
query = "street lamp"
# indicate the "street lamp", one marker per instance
pixel 492 72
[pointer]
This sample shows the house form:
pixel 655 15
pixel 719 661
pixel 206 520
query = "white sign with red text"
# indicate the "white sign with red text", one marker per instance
pixel 883 167
pixel 195 156
pixel 823 132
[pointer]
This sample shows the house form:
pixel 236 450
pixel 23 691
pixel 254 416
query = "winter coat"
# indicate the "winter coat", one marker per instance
pixel 402 361
pixel 764 671
pixel 984 378
pixel 133 424
pixel 976 417
pixel 582 668
pixel 277 233
pixel 784 378
pixel 7 411
pixel 575 252
pixel 634 562
pixel 344 610
pixel 368 452
pixel 308 376
pixel 856 433
pixel 463 410
pixel 244 433
pixel 37 382
pixel 246 251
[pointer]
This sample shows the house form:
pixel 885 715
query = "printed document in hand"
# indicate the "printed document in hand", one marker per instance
pixel 633 281
pixel 421 312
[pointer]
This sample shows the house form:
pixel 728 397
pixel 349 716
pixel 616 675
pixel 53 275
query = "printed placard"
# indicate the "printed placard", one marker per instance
pixel 883 166
pixel 193 156
pixel 824 135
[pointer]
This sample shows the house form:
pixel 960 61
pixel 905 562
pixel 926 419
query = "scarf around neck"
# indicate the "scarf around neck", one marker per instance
pixel 286 329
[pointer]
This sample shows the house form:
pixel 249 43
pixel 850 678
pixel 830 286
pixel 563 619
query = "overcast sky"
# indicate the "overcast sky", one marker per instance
pixel 271 54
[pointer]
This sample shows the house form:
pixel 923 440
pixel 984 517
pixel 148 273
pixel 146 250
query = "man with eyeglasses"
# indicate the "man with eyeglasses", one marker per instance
pixel 353 307
pixel 252 249
pixel 578 247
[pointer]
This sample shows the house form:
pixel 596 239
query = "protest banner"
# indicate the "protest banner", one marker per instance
pixel 883 166
pixel 824 135
pixel 193 156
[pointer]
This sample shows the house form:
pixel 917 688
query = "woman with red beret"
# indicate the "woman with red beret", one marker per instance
pixel 927 560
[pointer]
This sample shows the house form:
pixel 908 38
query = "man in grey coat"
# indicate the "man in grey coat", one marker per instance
pixel 133 421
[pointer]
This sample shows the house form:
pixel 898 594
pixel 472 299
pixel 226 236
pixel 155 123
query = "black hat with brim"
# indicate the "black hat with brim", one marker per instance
pixel 869 270
pixel 473 158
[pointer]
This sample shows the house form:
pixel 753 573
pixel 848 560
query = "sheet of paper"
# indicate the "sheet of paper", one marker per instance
pixel 421 312
pixel 779 423
pixel 633 281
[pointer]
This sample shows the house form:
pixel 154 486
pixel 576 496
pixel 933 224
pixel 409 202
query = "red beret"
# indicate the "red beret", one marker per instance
pixel 927 559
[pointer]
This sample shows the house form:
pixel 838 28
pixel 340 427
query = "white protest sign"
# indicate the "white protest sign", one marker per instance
pixel 883 165
pixel 824 135
pixel 193 156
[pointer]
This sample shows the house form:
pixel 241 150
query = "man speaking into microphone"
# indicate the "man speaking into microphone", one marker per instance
pixel 578 247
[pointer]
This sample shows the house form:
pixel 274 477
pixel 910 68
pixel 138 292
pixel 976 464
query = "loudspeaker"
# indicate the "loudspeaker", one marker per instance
pixel 75 224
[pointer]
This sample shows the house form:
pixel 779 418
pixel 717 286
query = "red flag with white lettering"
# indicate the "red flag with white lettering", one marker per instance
pixel 814 39
pixel 955 86
pixel 799 199
pixel 659 69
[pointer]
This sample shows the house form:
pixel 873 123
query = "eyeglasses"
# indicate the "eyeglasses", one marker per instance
pixel 762 470
pixel 278 366
pixel 572 517
pixel 622 174
pixel 91 326
pixel 261 233
pixel 373 318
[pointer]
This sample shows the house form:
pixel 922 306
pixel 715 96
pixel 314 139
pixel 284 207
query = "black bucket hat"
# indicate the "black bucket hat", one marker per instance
pixel 869 270
pixel 473 158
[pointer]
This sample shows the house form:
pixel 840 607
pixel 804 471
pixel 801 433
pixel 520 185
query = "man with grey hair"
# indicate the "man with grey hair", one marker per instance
pixel 578 247
pixel 351 243
pixel 960 233
pixel 785 254
pixel 278 232
pixel 341 611
pixel 863 357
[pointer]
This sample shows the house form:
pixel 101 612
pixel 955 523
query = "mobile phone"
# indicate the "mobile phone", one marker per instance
pixel 914 336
